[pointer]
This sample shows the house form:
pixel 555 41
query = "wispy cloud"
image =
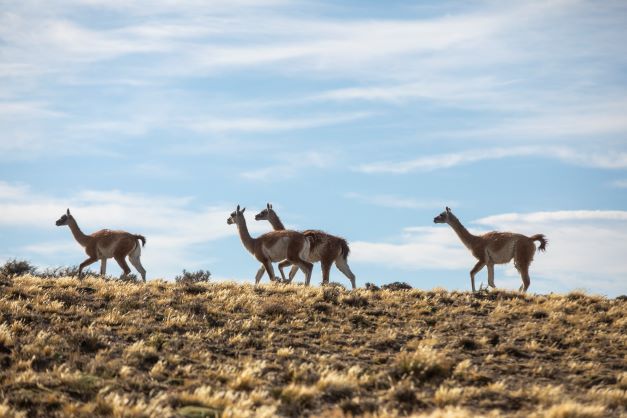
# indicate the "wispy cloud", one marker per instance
pixel 477 57
pixel 514 219
pixel 614 160
pixel 598 116
pixel 471 92
pixel 202 39
pixel 330 45
pixel 291 165
pixel 543 115
pixel 393 201
pixel 23 109
pixel 257 124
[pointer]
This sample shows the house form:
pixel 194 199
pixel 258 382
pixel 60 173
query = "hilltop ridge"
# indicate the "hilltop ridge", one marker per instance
pixel 107 348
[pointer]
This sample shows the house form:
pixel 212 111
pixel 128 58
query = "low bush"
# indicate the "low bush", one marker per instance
pixel 189 277
pixel 15 267
pixel 396 286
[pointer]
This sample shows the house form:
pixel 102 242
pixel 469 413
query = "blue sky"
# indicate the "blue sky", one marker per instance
pixel 361 118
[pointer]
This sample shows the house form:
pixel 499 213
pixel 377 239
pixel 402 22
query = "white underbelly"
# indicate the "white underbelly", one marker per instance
pixel 278 251
pixel 502 255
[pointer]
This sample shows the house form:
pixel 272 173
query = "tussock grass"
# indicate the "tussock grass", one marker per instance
pixel 424 364
pixel 108 348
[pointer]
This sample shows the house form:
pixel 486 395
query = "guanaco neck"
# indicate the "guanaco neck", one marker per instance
pixel 79 236
pixel 274 220
pixel 244 235
pixel 466 237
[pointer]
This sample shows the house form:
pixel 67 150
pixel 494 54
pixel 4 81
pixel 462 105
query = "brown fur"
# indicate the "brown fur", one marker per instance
pixel 261 246
pixel 494 248
pixel 542 239
pixel 324 248
pixel 271 238
pixel 104 244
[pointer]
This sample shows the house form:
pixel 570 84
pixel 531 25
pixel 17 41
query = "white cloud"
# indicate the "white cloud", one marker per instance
pixel 608 160
pixel 10 191
pixel 420 248
pixel 586 250
pixel 51 248
pixel 347 46
pixel 173 226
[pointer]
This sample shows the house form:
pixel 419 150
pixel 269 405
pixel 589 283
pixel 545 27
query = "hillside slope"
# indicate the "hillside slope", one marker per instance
pixel 105 348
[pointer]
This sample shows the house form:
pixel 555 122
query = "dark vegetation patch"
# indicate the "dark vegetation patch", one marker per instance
pixel 396 286
pixel 359 321
pixel 372 287
pixel 322 307
pixel 274 309
pixel 86 342
pixel 192 288
pixel 15 267
pixel 468 343
pixel 355 300
pixel 540 314
pixel 191 277
pixel 513 351
pixel 330 295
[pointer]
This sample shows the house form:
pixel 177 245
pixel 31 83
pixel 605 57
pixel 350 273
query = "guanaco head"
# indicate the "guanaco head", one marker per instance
pixel 264 214
pixel 63 220
pixel 236 217
pixel 443 217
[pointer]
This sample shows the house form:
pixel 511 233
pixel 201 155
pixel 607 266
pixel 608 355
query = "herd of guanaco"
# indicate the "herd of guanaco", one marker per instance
pixel 300 249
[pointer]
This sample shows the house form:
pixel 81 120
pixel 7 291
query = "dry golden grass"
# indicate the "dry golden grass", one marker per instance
pixel 106 348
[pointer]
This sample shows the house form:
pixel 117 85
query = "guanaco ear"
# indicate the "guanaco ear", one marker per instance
pixel 68 212
pixel 269 206
pixel 448 209
pixel 243 210
pixel 237 208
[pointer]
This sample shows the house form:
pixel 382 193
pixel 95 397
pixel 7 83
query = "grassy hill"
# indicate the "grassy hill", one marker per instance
pixel 106 348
